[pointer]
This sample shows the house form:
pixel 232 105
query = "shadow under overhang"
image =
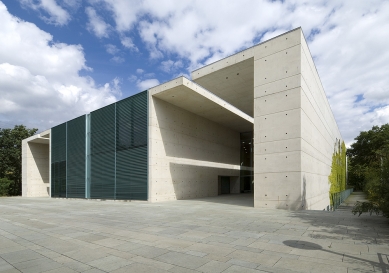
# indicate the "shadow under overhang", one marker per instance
pixel 194 98
pixel 232 79
pixel 40 140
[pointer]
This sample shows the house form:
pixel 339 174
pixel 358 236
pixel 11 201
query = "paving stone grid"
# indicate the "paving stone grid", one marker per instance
pixel 221 234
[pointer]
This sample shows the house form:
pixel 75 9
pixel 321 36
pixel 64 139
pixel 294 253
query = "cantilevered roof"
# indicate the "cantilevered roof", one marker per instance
pixel 194 98
pixel 42 138
pixel 232 79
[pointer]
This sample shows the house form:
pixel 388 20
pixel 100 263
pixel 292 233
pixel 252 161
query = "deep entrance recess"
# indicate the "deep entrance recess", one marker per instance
pixel 246 161
pixel 225 184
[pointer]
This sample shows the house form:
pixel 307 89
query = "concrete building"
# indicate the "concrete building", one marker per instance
pixel 257 121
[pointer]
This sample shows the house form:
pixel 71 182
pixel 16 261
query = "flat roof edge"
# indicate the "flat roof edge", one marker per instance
pixel 246 49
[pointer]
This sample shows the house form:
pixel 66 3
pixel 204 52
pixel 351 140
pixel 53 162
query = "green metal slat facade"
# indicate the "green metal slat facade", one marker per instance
pixel 131 148
pixel 58 161
pixel 102 133
pixel 112 142
pixel 76 158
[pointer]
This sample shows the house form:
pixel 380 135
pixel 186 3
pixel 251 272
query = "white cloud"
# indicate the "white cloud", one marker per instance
pixel 352 58
pixel 96 24
pixel 56 14
pixel 132 78
pixel 170 66
pixel 74 4
pixel 40 83
pixel 139 71
pixel 146 84
pixel 149 75
pixel 347 39
pixel 127 43
pixel 118 59
pixel 125 13
pixel 111 49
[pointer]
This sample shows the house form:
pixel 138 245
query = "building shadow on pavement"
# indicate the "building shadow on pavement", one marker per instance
pixel 309 246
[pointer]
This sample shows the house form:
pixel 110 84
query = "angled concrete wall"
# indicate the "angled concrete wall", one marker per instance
pixel 319 133
pixel 187 153
pixel 36 166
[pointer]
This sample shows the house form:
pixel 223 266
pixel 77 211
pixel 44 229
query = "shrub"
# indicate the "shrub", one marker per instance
pixel 5 186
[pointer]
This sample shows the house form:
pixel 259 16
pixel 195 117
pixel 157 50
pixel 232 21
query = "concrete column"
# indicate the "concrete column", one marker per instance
pixel 277 122
pixel 294 128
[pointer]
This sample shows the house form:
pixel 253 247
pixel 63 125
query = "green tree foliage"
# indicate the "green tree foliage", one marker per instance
pixel 11 157
pixel 369 169
pixel 5 186
pixel 337 178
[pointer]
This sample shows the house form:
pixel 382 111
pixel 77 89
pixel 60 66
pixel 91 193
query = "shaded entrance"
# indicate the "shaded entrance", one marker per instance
pixel 225 184
pixel 246 162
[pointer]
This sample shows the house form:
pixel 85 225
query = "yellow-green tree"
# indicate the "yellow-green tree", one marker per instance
pixel 337 178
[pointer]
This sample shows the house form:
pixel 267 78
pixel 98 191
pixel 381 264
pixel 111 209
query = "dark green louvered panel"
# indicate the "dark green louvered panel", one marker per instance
pixel 102 153
pixel 131 174
pixel 131 148
pixel 76 158
pixel 115 151
pixel 58 161
pixel 131 122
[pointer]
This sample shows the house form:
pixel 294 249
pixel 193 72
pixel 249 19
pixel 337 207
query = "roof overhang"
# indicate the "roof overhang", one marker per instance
pixel 192 97
pixel 41 138
pixel 232 79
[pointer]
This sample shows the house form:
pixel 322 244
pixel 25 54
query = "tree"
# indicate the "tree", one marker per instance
pixel 369 169
pixel 4 186
pixel 337 177
pixel 11 156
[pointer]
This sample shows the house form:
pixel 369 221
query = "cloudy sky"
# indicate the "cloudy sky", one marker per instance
pixel 63 58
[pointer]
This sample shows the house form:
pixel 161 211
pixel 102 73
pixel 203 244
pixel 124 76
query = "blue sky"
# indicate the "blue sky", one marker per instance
pixel 62 59
pixel 106 55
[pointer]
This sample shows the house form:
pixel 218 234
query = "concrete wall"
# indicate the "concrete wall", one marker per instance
pixel 187 153
pixel 319 133
pixel 294 129
pixel 35 169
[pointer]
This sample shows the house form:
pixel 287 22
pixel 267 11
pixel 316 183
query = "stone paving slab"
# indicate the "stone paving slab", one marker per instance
pixel 218 234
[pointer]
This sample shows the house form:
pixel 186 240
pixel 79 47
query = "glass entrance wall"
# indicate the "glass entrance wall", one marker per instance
pixel 246 161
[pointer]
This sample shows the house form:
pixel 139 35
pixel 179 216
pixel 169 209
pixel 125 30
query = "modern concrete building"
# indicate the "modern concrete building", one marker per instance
pixel 257 121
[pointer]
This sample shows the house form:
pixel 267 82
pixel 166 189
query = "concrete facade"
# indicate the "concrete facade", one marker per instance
pixel 188 152
pixel 294 128
pixel 272 89
pixel 36 165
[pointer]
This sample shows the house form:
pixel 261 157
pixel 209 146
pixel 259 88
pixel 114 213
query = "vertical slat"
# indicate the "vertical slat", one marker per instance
pixel 102 153
pixel 131 148
pixel 111 147
pixel 76 158
pixel 58 161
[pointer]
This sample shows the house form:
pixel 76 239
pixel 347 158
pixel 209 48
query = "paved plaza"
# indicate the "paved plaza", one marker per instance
pixel 219 234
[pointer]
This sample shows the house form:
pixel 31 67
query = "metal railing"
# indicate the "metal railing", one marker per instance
pixel 338 198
